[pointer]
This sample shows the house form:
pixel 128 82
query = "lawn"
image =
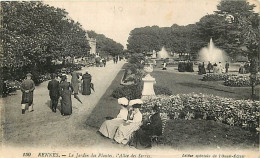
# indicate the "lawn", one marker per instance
pixel 185 133
pixel 190 82
pixel 189 134
pixel 107 105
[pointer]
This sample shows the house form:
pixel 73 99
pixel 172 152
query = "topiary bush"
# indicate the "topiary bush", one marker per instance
pixel 130 92
pixel 135 91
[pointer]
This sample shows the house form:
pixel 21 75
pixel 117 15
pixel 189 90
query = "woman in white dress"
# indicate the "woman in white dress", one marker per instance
pixel 125 130
pixel 109 127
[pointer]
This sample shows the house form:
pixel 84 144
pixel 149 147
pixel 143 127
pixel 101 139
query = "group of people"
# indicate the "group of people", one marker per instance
pixel 57 89
pixel 115 59
pixel 215 68
pixel 185 66
pixel 244 68
pixel 129 127
pixel 100 61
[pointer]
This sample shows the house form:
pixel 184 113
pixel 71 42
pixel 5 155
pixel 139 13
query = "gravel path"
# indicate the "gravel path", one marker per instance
pixel 47 129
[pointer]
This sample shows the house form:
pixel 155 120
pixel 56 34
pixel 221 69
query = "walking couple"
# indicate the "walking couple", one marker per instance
pixel 65 90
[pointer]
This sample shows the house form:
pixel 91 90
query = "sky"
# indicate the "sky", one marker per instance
pixel 116 18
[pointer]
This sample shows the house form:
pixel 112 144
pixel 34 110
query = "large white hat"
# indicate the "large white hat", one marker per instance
pixel 122 101
pixel 135 101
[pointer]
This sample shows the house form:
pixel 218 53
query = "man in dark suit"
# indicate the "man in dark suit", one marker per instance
pixel 53 87
pixel 227 66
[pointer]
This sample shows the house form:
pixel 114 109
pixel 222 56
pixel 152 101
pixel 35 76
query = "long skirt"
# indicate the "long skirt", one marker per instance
pixel 27 98
pixel 141 139
pixel 75 87
pixel 109 127
pixel 124 132
pixel 86 87
pixel 66 104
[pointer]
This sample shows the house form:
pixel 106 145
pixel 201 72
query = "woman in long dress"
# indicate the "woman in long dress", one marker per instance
pixel 126 129
pixel 75 84
pixel 109 127
pixel 65 91
pixel 203 70
pixel 86 84
pixel 142 137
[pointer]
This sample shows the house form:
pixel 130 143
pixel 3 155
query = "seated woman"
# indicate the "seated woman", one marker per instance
pixel 109 127
pixel 125 130
pixel 142 137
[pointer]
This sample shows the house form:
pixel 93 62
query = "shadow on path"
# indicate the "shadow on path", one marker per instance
pixel 102 109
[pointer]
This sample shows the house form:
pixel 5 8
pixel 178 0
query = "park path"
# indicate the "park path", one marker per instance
pixel 47 129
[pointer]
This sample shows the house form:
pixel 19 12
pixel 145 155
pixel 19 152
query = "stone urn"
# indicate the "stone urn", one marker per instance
pixel 149 81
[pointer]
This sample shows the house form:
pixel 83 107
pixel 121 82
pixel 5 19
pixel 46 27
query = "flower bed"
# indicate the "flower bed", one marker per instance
pixel 217 77
pixel 239 81
pixel 242 113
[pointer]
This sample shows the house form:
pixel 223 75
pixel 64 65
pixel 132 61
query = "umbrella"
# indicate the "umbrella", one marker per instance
pixel 92 86
pixel 76 97
pixel 109 118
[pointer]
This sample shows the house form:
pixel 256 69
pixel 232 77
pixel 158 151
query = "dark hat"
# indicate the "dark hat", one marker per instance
pixel 63 76
pixel 136 106
pixel 53 75
pixel 29 74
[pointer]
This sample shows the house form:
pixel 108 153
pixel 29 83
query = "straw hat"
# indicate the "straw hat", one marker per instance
pixel 136 103
pixel 122 101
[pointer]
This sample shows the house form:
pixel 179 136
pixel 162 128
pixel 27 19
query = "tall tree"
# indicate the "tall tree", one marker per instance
pixel 144 39
pixel 33 33
pixel 106 45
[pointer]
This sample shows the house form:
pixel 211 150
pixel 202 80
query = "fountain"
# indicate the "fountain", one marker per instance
pixel 162 54
pixel 212 54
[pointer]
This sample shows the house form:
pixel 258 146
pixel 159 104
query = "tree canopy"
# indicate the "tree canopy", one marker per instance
pixel 106 45
pixel 33 33
pixel 234 27
pixel 179 39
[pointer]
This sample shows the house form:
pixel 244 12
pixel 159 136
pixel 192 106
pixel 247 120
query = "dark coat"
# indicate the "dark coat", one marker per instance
pixel 66 103
pixel 86 84
pixel 142 137
pixel 27 97
pixel 53 87
pixel 155 126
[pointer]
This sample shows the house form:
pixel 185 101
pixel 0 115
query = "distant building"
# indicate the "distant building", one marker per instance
pixel 92 43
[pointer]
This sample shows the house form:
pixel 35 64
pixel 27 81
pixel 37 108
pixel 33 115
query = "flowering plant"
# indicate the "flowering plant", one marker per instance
pixel 216 77
pixel 242 113
pixel 240 81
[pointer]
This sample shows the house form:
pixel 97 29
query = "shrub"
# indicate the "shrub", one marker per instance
pixel 242 113
pixel 216 77
pixel 136 58
pixel 130 92
pixel 135 91
pixel 239 81
pixel 185 66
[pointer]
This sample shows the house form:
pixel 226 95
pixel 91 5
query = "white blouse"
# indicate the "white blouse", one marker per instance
pixel 138 117
pixel 122 114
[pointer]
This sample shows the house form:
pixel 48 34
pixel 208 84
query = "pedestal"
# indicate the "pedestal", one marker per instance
pixel 148 86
